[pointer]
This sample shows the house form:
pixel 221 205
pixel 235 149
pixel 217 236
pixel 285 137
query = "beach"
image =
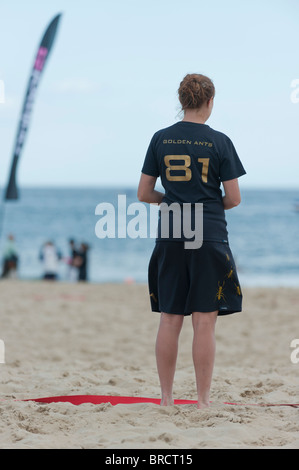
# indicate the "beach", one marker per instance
pixel 65 338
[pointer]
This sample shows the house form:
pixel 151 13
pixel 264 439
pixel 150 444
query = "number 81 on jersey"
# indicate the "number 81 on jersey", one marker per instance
pixel 185 168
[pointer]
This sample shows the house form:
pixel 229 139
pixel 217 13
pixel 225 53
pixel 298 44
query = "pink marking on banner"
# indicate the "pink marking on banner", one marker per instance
pixel 41 57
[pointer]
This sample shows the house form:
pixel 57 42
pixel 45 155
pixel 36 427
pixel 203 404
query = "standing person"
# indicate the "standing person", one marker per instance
pixel 10 258
pixel 82 254
pixel 73 268
pixel 192 160
pixel 50 256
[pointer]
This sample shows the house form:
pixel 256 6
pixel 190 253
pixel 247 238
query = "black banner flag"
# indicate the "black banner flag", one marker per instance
pixel 38 66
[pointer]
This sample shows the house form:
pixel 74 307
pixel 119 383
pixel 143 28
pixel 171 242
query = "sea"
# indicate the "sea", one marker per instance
pixel 263 233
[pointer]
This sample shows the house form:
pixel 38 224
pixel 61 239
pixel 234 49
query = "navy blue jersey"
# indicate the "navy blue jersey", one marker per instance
pixel 192 160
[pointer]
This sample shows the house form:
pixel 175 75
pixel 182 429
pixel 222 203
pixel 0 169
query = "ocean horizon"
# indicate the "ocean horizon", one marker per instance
pixel 263 234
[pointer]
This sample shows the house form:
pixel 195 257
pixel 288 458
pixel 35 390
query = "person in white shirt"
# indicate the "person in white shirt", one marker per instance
pixel 50 257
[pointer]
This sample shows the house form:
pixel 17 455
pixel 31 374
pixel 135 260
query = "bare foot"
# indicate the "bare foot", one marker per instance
pixel 202 405
pixel 166 401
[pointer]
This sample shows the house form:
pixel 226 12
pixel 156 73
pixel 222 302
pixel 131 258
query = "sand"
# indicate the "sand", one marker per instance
pixel 99 339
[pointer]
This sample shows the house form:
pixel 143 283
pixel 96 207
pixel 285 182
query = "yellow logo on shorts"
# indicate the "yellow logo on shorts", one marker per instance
pixel 220 290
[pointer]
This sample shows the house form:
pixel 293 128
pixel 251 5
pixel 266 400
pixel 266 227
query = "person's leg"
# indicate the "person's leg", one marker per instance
pixel 203 351
pixel 166 353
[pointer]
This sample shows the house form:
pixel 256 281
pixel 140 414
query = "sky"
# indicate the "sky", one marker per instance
pixel 112 77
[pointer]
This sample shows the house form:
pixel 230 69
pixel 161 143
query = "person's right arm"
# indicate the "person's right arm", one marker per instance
pixel 232 196
pixel 146 190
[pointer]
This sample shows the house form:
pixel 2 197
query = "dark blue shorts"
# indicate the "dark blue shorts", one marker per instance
pixel 182 281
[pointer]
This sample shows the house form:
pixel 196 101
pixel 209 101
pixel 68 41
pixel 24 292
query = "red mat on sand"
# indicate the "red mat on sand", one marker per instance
pixel 113 400
pixel 116 400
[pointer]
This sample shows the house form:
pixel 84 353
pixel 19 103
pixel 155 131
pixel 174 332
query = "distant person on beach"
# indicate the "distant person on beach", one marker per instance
pixel 83 262
pixel 78 261
pixel 10 258
pixel 192 160
pixel 50 256
pixel 73 261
